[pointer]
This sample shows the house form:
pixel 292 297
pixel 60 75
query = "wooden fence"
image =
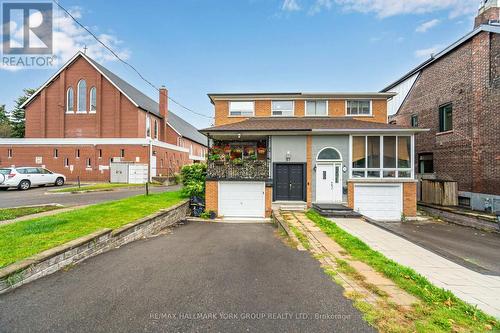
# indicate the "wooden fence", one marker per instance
pixel 439 192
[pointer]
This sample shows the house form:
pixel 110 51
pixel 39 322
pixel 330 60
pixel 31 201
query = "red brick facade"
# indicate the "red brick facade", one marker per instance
pixel 469 78
pixel 115 117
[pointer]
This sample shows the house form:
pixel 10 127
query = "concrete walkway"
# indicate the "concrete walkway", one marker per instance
pixel 472 287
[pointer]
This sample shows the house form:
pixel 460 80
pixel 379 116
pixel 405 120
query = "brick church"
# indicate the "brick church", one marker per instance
pixel 84 116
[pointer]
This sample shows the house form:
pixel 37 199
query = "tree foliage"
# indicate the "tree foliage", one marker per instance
pixel 193 179
pixel 5 126
pixel 17 115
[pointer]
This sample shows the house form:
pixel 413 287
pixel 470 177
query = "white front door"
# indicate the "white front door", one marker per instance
pixel 329 183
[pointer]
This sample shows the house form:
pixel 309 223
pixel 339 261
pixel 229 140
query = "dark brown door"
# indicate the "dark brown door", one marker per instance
pixel 289 182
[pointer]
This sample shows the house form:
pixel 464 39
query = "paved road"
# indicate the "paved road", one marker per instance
pixel 202 269
pixel 39 196
pixel 472 248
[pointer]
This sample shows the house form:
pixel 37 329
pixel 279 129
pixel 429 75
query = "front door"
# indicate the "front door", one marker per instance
pixel 289 182
pixel 329 183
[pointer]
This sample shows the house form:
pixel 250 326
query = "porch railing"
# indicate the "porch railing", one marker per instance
pixel 247 170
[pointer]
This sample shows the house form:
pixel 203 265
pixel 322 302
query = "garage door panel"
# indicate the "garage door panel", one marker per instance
pixel 242 199
pixel 379 202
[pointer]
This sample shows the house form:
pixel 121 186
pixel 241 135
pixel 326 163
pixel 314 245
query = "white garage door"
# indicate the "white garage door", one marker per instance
pixel 380 202
pixel 242 199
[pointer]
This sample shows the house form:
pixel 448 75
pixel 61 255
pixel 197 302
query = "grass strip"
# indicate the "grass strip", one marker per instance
pixel 13 213
pixel 301 237
pixel 23 239
pixel 440 311
pixel 94 187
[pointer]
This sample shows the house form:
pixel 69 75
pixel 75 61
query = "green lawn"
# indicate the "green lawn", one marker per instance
pixel 12 213
pixel 23 239
pixel 94 187
pixel 440 311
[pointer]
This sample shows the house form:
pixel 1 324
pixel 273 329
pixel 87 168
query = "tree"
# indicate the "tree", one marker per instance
pixel 17 115
pixel 5 126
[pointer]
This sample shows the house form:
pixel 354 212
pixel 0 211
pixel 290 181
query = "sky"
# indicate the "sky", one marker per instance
pixel 195 47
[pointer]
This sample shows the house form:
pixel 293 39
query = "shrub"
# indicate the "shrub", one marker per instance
pixel 193 179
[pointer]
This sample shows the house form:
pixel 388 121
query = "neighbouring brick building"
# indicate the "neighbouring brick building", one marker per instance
pixel 84 116
pixel 456 94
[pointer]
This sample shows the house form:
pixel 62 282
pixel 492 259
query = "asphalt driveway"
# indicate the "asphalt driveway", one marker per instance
pixel 40 196
pixel 202 277
pixel 475 249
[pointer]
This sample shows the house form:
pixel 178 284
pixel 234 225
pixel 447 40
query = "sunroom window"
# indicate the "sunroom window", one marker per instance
pixel 381 157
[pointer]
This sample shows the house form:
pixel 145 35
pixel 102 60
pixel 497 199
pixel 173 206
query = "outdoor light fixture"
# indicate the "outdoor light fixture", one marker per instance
pixel 344 168
pixel 288 156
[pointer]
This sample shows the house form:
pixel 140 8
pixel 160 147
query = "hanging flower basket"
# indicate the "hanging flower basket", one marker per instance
pixel 261 151
pixel 227 149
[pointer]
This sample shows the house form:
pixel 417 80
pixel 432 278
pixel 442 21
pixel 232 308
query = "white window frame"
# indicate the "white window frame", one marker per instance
pixel 148 126
pixel 78 96
pixel 293 108
pixel 241 115
pixel 56 153
pixel 77 153
pixel 157 129
pixel 9 153
pixel 68 104
pixel 88 163
pixel 66 162
pixel 359 115
pixel 381 169
pixel 316 100
pixel 93 99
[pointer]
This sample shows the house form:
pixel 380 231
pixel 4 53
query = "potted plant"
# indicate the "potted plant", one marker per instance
pixel 237 161
pixel 227 149
pixel 261 150
pixel 250 151
pixel 237 151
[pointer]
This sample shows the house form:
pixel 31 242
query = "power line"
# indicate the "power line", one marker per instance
pixel 125 62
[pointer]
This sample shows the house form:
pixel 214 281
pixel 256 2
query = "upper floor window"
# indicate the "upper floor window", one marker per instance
pixel 82 96
pixel 445 118
pixel 414 120
pixel 241 109
pixel 358 107
pixel 93 100
pixel 156 129
pixel 70 100
pixel 426 163
pixel 316 108
pixel 282 108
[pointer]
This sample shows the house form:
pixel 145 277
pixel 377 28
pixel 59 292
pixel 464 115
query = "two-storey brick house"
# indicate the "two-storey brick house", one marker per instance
pixel 271 149
pixel 456 94
pixel 84 116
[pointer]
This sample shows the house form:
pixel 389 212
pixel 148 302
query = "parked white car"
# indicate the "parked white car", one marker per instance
pixel 25 177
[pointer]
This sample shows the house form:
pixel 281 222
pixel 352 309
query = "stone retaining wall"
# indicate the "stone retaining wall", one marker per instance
pixel 80 249
pixel 461 219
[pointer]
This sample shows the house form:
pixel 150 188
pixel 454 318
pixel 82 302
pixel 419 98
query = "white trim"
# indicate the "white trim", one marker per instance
pixel 89 141
pixel 69 62
pixel 283 100
pixel 196 158
pixel 328 161
pixel 172 127
pixel 315 100
pixel 240 116
pixel 162 144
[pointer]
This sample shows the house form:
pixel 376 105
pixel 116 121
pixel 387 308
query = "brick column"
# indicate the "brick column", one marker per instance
pixel 309 172
pixel 212 196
